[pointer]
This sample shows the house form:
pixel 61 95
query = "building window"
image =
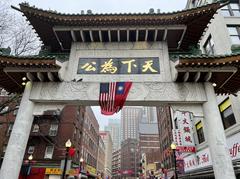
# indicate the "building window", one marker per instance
pixel 209 46
pixel 200 134
pixel 226 111
pixel 234 33
pixel 31 149
pixel 231 9
pixel 15 110
pixel 49 152
pixel 10 127
pixel 53 130
pixel 35 128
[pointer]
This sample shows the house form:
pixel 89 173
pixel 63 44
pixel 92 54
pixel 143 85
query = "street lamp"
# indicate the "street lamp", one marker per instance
pixel 81 164
pixel 68 144
pixel 173 147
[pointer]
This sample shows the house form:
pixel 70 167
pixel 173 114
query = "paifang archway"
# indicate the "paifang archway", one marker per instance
pixel 78 40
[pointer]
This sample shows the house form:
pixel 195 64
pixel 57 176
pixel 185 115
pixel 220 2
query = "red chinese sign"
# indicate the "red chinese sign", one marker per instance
pixel 183 135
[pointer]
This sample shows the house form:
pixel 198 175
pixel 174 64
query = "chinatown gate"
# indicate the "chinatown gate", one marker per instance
pixel 93 48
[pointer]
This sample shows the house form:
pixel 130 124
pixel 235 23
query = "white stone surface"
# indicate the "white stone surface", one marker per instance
pixel 118 50
pixel 222 164
pixel 141 94
pixel 19 137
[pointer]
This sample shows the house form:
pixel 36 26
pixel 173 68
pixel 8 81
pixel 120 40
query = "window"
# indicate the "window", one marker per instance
pixel 31 149
pixel 49 152
pixel 16 110
pixel 53 130
pixel 200 134
pixel 35 128
pixel 226 111
pixel 209 46
pixel 234 35
pixel 10 127
pixel 5 109
pixel 231 10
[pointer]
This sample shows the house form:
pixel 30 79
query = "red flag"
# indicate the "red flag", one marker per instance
pixel 71 151
pixel 113 96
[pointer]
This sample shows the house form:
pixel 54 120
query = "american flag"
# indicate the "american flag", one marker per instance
pixel 113 96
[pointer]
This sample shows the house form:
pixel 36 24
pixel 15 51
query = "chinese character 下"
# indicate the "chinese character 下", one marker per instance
pixel 130 63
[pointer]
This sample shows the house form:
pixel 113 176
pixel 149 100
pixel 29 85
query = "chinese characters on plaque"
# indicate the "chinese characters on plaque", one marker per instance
pixel 119 65
pixel 183 136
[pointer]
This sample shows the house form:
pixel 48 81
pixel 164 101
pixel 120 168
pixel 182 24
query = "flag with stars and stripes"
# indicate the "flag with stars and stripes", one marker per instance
pixel 113 96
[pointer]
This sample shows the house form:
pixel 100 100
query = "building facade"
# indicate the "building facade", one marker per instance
pixel 101 158
pixel 130 158
pixel 114 129
pixel 107 140
pixel 165 137
pixel 130 118
pixel 90 143
pixel 116 164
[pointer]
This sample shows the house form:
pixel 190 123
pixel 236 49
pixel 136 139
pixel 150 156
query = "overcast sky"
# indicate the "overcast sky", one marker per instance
pixel 105 6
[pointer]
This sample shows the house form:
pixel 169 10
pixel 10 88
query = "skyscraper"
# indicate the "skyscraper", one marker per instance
pixel 114 129
pixel 130 117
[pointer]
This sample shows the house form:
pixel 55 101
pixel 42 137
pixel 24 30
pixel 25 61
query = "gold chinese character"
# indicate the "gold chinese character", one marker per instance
pixel 89 66
pixel 130 64
pixel 148 66
pixel 108 67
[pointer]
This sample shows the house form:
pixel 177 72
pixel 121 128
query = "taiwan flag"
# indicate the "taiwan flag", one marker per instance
pixel 113 96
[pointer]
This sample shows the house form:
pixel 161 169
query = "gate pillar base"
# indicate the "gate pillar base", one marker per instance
pixel 222 163
pixel 15 151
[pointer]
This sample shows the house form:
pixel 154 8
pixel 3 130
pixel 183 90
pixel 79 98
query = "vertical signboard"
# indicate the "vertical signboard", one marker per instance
pixel 183 135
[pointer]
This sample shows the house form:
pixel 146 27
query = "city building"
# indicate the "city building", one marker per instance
pixel 114 128
pixel 7 117
pixel 101 158
pixel 149 115
pixel 149 138
pixel 130 117
pixel 116 164
pixel 90 143
pixel 130 158
pixel 165 136
pixel 107 140
pixel 46 143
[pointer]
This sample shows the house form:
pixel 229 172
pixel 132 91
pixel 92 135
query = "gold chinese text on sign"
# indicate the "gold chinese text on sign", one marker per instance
pixel 148 65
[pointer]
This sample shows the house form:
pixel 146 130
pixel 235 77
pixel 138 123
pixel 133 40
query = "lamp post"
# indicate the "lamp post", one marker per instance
pixel 68 144
pixel 173 147
pixel 81 164
pixel 30 157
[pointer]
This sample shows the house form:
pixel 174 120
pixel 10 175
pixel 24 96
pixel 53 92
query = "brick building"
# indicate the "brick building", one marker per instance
pixel 130 158
pixel 90 143
pixel 165 136
pixel 48 136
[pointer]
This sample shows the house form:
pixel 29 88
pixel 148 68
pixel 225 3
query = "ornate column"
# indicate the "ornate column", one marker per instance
pixel 19 137
pixel 222 163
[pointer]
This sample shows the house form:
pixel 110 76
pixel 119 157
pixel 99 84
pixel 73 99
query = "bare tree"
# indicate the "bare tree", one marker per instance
pixel 16 33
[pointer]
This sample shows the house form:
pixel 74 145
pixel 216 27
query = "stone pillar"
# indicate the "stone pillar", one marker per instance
pixel 13 158
pixel 222 163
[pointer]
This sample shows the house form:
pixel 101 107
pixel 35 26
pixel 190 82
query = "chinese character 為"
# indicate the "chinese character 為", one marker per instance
pixel 108 67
